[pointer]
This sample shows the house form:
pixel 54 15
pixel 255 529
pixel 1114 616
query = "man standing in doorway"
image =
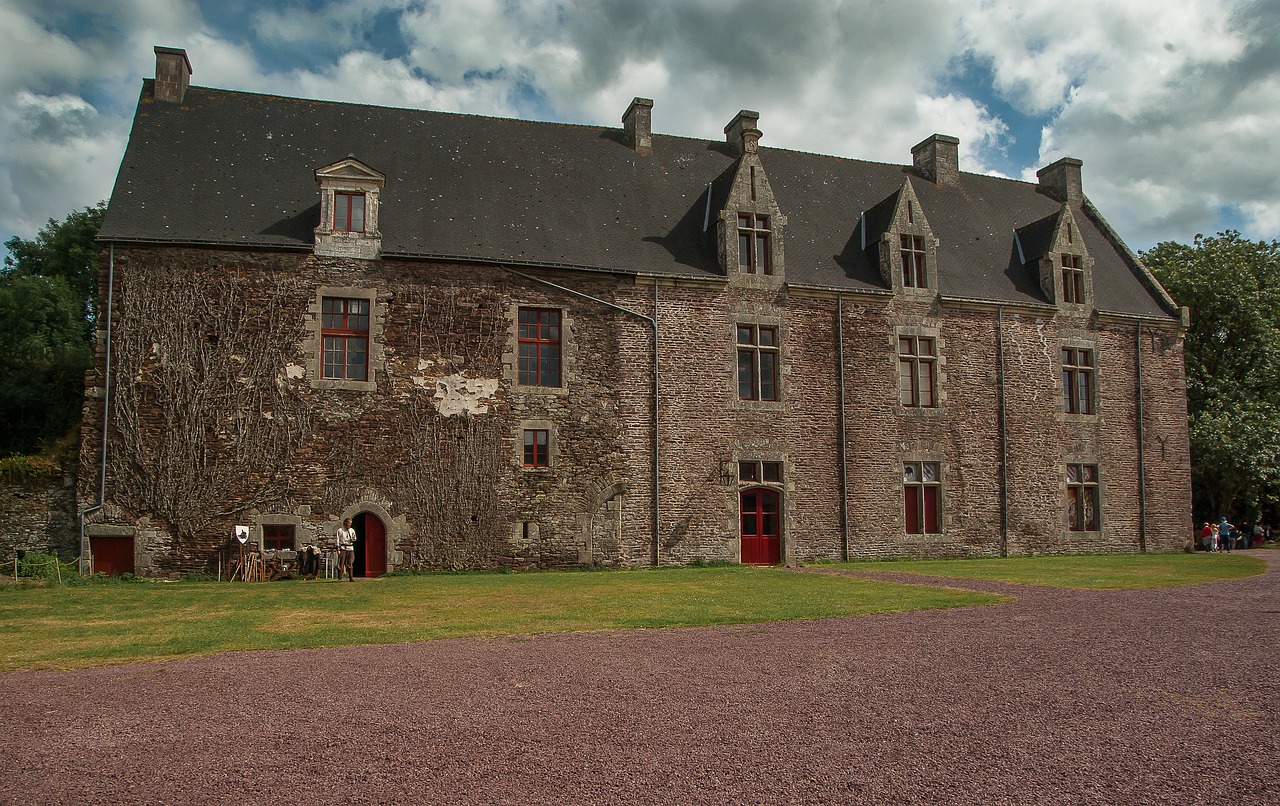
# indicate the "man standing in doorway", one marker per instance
pixel 346 550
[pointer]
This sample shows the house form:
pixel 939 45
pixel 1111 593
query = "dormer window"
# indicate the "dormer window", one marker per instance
pixel 1072 279
pixel 348 212
pixel 753 244
pixel 913 261
pixel 348 226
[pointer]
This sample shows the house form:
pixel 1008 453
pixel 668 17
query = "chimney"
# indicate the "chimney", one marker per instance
pixel 637 126
pixel 173 74
pixel 742 134
pixel 1061 181
pixel 937 158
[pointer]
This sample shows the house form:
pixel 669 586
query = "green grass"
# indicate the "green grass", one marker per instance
pixel 1087 571
pixel 93 625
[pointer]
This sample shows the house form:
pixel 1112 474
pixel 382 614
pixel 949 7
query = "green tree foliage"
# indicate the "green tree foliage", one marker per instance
pixel 1232 287
pixel 48 292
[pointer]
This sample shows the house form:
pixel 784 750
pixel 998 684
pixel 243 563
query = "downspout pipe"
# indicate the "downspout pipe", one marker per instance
pixel 653 323
pixel 1142 456
pixel 85 556
pixel 1004 437
pixel 842 436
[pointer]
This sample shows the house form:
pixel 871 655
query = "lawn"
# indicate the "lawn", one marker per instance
pixel 94 625
pixel 1115 571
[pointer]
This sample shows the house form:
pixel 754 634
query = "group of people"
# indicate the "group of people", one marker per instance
pixel 1226 536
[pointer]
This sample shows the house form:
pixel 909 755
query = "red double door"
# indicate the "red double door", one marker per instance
pixel 761 527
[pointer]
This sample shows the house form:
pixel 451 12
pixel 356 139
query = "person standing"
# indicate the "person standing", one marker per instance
pixel 346 545
pixel 1206 536
pixel 1224 534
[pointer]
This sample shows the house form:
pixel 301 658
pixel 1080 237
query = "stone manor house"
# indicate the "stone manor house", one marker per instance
pixel 509 343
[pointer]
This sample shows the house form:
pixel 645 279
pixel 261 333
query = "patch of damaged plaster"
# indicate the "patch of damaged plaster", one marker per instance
pixel 456 394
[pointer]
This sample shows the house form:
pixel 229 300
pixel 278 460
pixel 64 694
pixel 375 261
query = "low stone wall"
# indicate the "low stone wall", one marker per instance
pixel 39 516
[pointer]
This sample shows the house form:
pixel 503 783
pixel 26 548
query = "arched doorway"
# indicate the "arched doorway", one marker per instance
pixel 371 545
pixel 761 527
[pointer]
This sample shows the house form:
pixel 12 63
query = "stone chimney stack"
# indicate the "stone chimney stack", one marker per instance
pixel 637 126
pixel 1061 181
pixel 173 74
pixel 742 134
pixel 937 158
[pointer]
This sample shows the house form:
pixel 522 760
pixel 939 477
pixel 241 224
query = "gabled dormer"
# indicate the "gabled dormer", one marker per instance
pixel 1054 248
pixel 907 249
pixel 750 225
pixel 348 227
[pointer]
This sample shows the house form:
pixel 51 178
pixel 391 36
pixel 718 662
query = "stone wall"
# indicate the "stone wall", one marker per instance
pixel 219 418
pixel 39 516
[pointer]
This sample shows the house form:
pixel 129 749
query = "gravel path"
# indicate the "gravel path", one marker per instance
pixel 1165 696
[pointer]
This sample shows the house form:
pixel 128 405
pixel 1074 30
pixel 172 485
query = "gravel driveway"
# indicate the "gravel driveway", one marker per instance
pixel 1164 696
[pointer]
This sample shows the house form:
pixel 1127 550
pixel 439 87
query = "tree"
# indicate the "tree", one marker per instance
pixel 48 300
pixel 67 249
pixel 1232 287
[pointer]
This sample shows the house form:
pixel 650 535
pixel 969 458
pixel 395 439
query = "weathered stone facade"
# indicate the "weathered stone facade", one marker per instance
pixel 994 335
pixel 39 516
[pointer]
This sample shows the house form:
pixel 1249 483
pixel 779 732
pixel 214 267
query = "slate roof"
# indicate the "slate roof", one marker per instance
pixel 236 168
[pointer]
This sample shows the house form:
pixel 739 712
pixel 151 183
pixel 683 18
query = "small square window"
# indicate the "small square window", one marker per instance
pixel 748 471
pixel 772 471
pixel 536 441
pixel 277 536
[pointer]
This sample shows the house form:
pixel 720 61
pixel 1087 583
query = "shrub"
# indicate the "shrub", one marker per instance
pixel 25 469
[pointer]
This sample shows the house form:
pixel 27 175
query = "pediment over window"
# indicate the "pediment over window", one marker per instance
pixel 348 226
pixel 1054 248
pixel 905 248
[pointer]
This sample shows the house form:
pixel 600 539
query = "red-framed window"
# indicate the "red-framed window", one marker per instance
pixel 539 339
pixel 536 441
pixel 912 251
pixel 348 212
pixel 1073 279
pixel 922 497
pixel 917 371
pixel 344 328
pixel 278 536
pixel 753 244
pixel 1082 498
pixel 753 472
pixel 1077 380
pixel 758 354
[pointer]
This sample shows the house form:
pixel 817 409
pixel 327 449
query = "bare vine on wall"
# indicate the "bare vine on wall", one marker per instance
pixel 203 420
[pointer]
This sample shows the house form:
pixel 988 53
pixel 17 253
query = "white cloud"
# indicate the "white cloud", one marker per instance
pixel 1172 104
pixel 61 155
pixel 1170 126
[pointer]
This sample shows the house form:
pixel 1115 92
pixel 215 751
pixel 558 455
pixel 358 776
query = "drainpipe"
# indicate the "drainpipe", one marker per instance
pixel 86 557
pixel 1004 439
pixel 653 323
pixel 1142 463
pixel 841 441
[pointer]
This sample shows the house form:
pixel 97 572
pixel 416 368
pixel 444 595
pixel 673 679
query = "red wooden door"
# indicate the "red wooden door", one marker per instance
pixel 761 527
pixel 112 556
pixel 375 546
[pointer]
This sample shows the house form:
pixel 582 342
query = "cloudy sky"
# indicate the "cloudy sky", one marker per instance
pixel 1174 105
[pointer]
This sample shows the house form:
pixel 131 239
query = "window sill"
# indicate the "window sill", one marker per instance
pixel 522 389
pixel 922 411
pixel 759 405
pixel 333 384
